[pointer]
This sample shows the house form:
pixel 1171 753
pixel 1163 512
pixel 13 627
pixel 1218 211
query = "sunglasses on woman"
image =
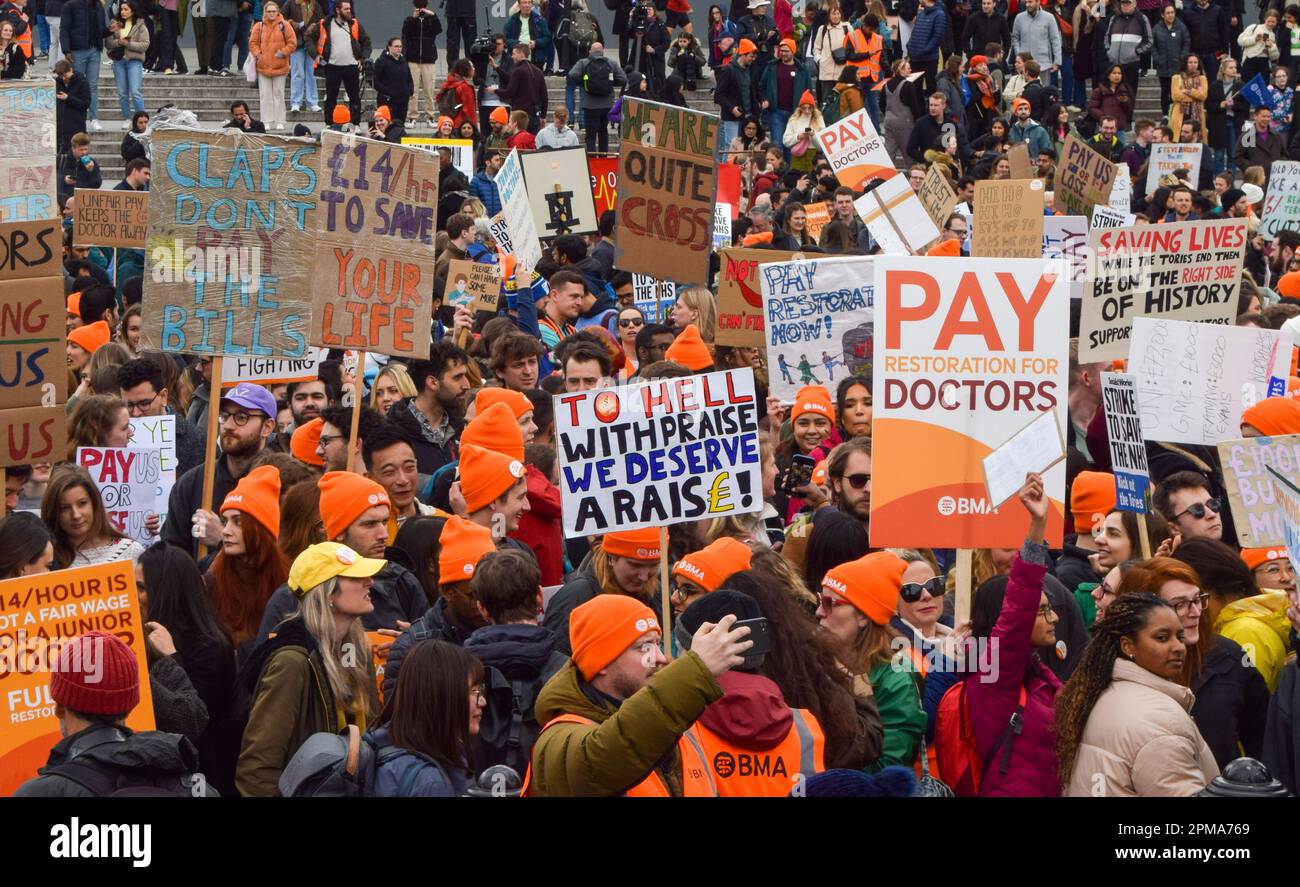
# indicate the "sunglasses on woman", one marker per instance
pixel 911 591
pixel 830 602
pixel 1198 509
pixel 630 321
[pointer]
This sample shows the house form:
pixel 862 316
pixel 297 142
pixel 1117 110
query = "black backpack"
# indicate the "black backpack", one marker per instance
pixel 103 782
pixel 509 726
pixel 598 78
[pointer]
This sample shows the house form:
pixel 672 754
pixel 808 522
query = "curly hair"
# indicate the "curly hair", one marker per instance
pixel 1074 703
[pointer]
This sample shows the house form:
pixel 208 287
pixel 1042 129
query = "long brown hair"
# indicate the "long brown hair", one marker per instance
pixel 90 422
pixel 603 570
pixel 1148 577
pixel 242 585
pixel 429 711
pixel 300 523
pixel 64 478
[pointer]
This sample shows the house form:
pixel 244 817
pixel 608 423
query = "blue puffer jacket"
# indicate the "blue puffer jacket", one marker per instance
pixel 409 774
pixel 928 33
pixel 485 190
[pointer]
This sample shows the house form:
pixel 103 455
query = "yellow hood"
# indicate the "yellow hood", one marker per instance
pixel 1268 607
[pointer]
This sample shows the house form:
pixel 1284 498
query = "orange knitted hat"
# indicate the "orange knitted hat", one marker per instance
pixel 813 399
pixel 1092 493
pixel 945 248
pixel 500 115
pixel 870 584
pixel 497 429
pixel 604 627
pixel 1289 285
pixel 257 495
pixel 713 564
pixel 463 543
pixel 485 475
pixel 1270 417
pixel 689 350
pixel 641 545
pixel 304 441
pixel 518 402
pixel 90 336
pixel 341 115
pixel 1257 557
pixel 344 497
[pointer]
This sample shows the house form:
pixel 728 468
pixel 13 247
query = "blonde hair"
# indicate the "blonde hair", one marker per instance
pixel 737 526
pixel 603 570
pixel 699 299
pixel 401 378
pixel 350 684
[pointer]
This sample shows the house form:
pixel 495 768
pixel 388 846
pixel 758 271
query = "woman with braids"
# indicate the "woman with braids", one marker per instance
pixel 1123 722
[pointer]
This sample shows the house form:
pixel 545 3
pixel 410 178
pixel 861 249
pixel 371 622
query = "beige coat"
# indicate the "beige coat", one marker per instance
pixel 136 43
pixel 1141 741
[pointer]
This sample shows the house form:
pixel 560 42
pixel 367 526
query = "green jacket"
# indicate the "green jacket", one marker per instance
pixel 767 90
pixel 627 742
pixel 901 714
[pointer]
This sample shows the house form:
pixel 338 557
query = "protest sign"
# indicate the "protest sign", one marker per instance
pixel 1167 157
pixel 1021 165
pixel 1288 497
pixel 937 196
pixel 659 452
pixel 1008 219
pixel 374 246
pixel 666 190
pixel 1066 238
pixel 127 480
pixel 1179 271
pixel 40 614
pixel 1034 449
pixel 1083 179
pixel 721 225
pixel 28 151
pixel 654 297
pixel 1252 492
pixel 817 316
pixel 33 434
pixel 1282 202
pixel 31 249
pixel 895 218
pixel 462 152
pixel 500 232
pixel 231 253
pixel 816 217
pixel 603 169
pixel 1128 450
pixel 517 212
pixel 473 285
pixel 158 433
pixel 1121 193
pixel 110 218
pixel 272 370
pixel 967 352
pixel 1194 379
pixel 1109 217
pixel 559 192
pixel 740 296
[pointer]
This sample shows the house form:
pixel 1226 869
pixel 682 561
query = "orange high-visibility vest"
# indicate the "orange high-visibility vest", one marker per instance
pixel 24 40
pixel 770 773
pixel 870 68
pixel 697 782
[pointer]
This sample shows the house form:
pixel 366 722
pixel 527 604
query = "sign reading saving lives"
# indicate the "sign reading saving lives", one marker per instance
pixel 659 452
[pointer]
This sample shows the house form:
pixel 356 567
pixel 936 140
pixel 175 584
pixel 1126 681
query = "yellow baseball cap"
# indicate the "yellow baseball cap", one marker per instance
pixel 323 561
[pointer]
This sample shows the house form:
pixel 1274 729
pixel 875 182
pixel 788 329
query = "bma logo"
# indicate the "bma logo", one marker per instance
pixel 725 764
pixel 949 506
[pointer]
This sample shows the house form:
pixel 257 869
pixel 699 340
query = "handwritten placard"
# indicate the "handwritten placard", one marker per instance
pixel 1008 220
pixel 112 218
pixel 127 480
pixel 1034 449
pixel 1253 495
pixel 473 285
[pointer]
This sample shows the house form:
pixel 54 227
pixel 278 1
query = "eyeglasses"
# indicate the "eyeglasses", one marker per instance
pixel 631 322
pixel 829 602
pixel 1198 509
pixel 141 405
pixel 911 591
pixel 1045 611
pixel 1183 606
pixel 240 419
pixel 327 439
pixel 480 694
pixel 857 481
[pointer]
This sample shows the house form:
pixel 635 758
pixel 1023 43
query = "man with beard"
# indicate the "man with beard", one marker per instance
pixel 307 400
pixel 247 419
pixel 848 476
pixel 334 446
pixel 431 421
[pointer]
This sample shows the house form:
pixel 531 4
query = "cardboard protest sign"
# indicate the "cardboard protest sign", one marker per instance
pixel 1083 178
pixel 1194 379
pixel 603 169
pixel 1008 219
pixel 721 225
pixel 1282 202
pixel 28 151
pixel 937 196
pixel 110 218
pixel 816 217
pixel 1034 449
pixel 1168 157
pixel 127 480
pixel 895 218
pixel 500 232
pixel 41 614
pixel 559 192
pixel 374 246
pixel 1021 165
pixel 666 190
pixel 817 316
pixel 158 433
pixel 1121 193
pixel 740 296
pixel 33 434
pixel 272 370
pixel 473 285
pixel 517 212
pixel 1128 450
pixel 462 151
pixel 31 249
pixel 1288 497
pixel 1252 491
pixel 1066 238
pixel 659 452
pixel 231 255
pixel 967 352
pixel 1179 271
pixel 654 297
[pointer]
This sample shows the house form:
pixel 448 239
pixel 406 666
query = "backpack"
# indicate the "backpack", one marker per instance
pixel 954 738
pixel 509 726
pixel 105 783
pixel 598 78
pixel 831 107
pixel 582 28
pixel 448 102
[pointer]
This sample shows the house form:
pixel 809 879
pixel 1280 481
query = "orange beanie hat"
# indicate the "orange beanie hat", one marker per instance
pixel 813 399
pixel 807 98
pixel 713 564
pixel 641 545
pixel 518 402
pixel 304 441
pixel 745 46
pixel 90 336
pixel 1289 285
pixel 1257 557
pixel 945 248
pixel 74 304
pixel 1091 494
pixel 500 115
pixel 1270 417
pixel 604 627
pixel 257 495
pixel 689 350
pixel 341 115
pixel 870 584
pixel 485 475
pixel 463 543
pixel 344 497
pixel 382 111
pixel 496 428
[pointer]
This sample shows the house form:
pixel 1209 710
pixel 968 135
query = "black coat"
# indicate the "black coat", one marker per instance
pixel 982 30
pixel 1207 27
pixel 71 112
pixel 428 456
pixel 1282 732
pixel 526 90
pixel 1216 117
pixel 393 76
pixel 727 93
pixel 82 176
pixel 435 624
pixel 1231 703
pixel 184 501
pixel 135 758
pixel 418 39
pixel 1073 566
